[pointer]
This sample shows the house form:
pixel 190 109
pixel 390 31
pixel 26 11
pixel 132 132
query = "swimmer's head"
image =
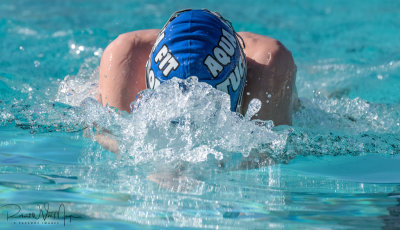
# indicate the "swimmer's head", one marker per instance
pixel 203 44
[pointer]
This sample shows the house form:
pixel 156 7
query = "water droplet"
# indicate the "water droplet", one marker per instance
pixel 98 52
pixel 21 48
pixel 267 101
pixel 380 77
pixel 253 108
pixel 269 96
pixel 248 93
pixel 287 87
pixel 73 46
pixel 37 63
pixel 81 48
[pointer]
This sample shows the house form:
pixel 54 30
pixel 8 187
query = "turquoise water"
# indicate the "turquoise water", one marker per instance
pixel 181 162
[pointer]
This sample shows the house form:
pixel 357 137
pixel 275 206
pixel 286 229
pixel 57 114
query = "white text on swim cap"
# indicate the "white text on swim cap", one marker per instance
pixel 223 53
pixel 167 61
pixel 235 77
pixel 159 38
pixel 151 80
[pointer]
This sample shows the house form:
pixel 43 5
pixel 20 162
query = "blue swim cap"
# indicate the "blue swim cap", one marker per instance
pixel 203 44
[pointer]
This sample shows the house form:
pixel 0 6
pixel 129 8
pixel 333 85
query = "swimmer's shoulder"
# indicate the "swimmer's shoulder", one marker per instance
pixel 267 50
pixel 256 43
pixel 253 37
pixel 141 36
pixel 135 39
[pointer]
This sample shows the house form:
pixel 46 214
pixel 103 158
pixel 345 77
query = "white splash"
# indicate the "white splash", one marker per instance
pixel 181 120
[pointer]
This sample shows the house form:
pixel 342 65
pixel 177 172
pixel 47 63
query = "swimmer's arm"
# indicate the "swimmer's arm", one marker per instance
pixel 121 77
pixel 122 68
pixel 105 139
pixel 108 142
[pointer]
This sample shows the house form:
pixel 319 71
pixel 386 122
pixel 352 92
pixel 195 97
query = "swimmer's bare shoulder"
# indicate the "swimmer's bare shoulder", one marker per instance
pixel 122 68
pixel 271 76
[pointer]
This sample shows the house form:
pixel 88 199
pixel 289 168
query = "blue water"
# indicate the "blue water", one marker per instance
pixel 192 164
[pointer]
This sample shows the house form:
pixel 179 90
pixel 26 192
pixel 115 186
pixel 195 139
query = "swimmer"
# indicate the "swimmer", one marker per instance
pixel 199 43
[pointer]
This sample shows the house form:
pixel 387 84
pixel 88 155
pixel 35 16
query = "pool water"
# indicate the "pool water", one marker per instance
pixel 185 160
